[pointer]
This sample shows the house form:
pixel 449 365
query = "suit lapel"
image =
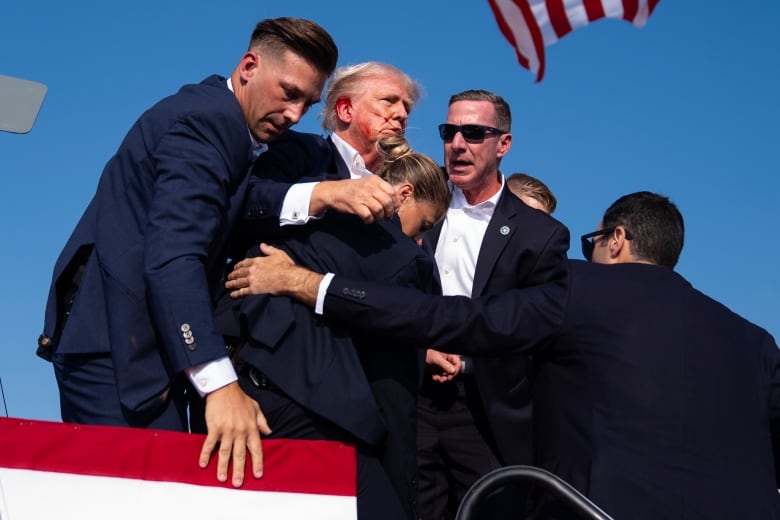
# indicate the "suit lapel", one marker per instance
pixel 498 234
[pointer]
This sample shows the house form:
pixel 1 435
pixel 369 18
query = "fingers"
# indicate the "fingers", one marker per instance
pixel 234 422
pixel 255 445
pixel 226 449
pixel 269 250
pixel 239 461
pixel 205 452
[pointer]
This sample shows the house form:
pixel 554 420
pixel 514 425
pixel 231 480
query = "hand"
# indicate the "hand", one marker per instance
pixel 274 273
pixel 371 198
pixel 234 422
pixel 260 274
pixel 443 367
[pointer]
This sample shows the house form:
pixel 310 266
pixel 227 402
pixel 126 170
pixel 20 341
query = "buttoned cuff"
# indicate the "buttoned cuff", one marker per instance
pixel 295 207
pixel 211 376
pixel 319 306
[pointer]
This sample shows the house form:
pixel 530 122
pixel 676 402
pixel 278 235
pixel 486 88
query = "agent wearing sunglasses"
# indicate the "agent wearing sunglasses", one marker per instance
pixel 475 416
pixel 650 398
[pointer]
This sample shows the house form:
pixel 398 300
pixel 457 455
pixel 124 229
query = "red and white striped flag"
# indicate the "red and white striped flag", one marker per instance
pixel 56 470
pixel 532 25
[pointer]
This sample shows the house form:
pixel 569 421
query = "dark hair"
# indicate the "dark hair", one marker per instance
pixel 655 223
pixel 503 119
pixel 532 187
pixel 402 164
pixel 303 37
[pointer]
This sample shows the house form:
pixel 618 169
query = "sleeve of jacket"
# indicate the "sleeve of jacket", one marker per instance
pixel 294 157
pixel 514 319
pixel 771 361
pixel 200 162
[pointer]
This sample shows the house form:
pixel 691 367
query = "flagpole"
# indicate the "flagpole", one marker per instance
pixel 3 393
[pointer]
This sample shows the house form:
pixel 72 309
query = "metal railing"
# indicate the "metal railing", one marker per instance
pixel 567 496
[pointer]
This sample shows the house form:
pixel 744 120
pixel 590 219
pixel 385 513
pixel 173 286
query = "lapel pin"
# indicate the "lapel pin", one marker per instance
pixel 504 230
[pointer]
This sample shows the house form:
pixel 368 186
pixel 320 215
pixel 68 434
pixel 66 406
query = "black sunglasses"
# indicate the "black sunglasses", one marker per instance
pixel 472 133
pixel 587 240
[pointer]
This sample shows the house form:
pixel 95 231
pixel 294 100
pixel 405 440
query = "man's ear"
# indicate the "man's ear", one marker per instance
pixel 247 66
pixel 343 109
pixel 504 145
pixel 619 246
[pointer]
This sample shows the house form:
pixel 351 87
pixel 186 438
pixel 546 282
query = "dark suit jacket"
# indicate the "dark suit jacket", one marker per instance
pixel 521 247
pixel 364 383
pixel 649 397
pixel 293 157
pixel 153 240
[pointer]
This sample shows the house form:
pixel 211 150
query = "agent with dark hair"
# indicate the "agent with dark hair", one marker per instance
pixel 129 321
pixel 651 398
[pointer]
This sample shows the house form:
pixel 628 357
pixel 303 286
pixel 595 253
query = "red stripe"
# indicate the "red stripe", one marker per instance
pixel 533 27
pixel 536 34
pixel 558 18
pixel 651 6
pixel 293 466
pixel 630 8
pixel 503 26
pixel 594 9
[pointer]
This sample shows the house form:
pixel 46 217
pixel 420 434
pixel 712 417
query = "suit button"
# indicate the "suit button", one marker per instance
pixel 44 341
pixel 185 327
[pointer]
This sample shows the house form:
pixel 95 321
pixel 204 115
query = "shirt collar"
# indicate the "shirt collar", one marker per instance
pixel 486 206
pixel 355 162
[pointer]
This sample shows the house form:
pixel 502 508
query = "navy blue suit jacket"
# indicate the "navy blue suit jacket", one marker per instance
pixel 364 383
pixel 292 158
pixel 521 247
pixel 652 399
pixel 323 366
pixel 154 239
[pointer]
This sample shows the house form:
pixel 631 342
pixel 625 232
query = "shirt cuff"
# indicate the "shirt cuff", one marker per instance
pixel 319 306
pixel 466 366
pixel 295 207
pixel 211 376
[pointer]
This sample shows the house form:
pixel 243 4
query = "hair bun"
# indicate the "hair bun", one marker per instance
pixel 394 147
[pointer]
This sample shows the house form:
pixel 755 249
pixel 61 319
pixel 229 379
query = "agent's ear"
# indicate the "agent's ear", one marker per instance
pixel 405 192
pixel 249 63
pixel 343 109
pixel 619 246
pixel 504 145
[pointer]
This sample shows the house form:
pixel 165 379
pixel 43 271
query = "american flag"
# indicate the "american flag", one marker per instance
pixel 532 25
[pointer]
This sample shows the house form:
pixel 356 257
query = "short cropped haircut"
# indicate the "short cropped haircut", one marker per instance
pixel 656 225
pixel 303 37
pixel 353 80
pixel 503 118
pixel 532 187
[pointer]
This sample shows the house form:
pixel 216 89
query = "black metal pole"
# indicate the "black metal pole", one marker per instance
pixel 3 392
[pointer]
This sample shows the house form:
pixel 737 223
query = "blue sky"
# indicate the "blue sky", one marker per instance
pixel 688 106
